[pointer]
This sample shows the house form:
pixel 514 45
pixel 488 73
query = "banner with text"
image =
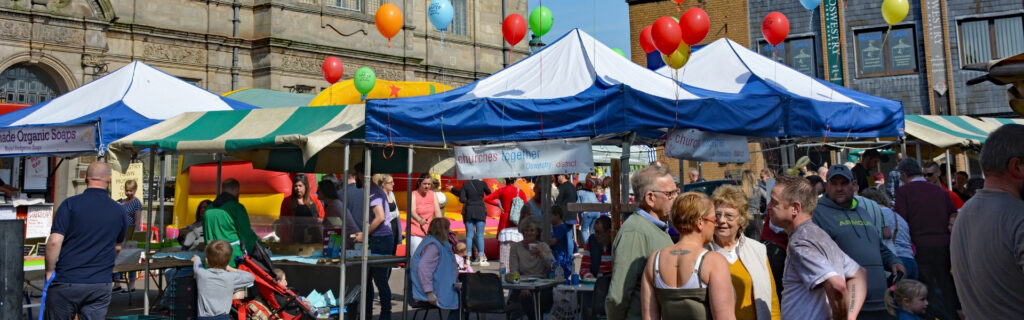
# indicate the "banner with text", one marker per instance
pixel 693 144
pixel 524 159
pixel 36 140
pixel 833 38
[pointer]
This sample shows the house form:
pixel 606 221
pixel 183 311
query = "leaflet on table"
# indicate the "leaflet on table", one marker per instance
pixel 694 144
pixel 522 159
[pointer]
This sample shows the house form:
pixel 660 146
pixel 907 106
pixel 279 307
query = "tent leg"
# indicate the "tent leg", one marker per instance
pixel 149 234
pixel 160 197
pixel 220 162
pixel 903 147
pixel 344 222
pixel 408 230
pixel 949 172
pixel 918 152
pixel 366 233
pixel 967 163
pixel 624 174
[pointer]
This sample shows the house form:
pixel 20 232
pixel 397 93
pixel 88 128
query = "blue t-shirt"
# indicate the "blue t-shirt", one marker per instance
pixel 354 203
pixel 92 224
pixel 565 246
pixel 379 198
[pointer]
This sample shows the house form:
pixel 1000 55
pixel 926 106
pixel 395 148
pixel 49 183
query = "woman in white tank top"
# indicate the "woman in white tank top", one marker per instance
pixel 685 278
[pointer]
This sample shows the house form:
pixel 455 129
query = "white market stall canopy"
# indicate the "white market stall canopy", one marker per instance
pixel 86 119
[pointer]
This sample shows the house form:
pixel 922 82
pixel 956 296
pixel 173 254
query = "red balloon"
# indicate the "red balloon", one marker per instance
pixel 695 25
pixel 775 28
pixel 646 42
pixel 666 35
pixel 333 69
pixel 514 28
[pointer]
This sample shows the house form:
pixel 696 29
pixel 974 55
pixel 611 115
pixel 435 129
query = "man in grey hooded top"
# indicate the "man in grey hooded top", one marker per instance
pixel 851 224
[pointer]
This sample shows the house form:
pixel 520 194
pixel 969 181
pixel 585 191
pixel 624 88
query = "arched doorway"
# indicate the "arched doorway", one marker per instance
pixel 27 84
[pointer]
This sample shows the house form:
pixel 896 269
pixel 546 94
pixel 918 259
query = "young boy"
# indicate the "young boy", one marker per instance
pixel 561 242
pixel 216 284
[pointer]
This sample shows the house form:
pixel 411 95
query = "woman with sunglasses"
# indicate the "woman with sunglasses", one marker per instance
pixel 685 280
pixel 748 259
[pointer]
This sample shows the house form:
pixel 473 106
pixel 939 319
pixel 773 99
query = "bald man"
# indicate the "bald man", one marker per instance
pixel 86 235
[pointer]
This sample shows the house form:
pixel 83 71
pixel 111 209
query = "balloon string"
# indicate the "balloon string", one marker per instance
pixel 675 79
pixel 886 37
pixel 391 142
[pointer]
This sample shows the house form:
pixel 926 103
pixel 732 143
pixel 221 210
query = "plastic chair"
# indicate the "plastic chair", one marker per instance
pixel 482 293
pixel 422 306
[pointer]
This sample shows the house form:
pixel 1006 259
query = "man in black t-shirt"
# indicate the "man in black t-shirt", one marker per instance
pixel 86 236
pixel 566 195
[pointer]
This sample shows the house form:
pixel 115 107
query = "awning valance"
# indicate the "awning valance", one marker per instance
pixel 948 131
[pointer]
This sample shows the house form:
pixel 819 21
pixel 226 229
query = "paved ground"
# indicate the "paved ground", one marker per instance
pixel 121 304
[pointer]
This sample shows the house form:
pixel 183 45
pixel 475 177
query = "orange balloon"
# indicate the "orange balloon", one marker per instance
pixel 388 20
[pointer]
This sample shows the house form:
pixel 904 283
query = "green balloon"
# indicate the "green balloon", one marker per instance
pixel 620 52
pixel 541 20
pixel 364 80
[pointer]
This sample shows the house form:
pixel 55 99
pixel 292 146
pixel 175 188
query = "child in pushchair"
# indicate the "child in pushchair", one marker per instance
pixel 268 298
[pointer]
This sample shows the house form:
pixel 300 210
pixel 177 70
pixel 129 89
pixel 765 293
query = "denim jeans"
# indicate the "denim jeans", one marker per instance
pixel 587 220
pixel 475 232
pixel 911 265
pixel 380 276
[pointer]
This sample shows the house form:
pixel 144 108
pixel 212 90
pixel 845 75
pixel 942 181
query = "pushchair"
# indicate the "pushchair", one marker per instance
pixel 267 299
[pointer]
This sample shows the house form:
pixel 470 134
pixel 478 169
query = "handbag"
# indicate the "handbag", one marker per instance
pixel 516 207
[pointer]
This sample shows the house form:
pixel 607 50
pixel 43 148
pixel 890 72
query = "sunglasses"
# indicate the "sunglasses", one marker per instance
pixel 929 174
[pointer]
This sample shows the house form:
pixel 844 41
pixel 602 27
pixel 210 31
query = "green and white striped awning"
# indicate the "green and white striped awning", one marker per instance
pixel 296 131
pixel 999 122
pixel 948 131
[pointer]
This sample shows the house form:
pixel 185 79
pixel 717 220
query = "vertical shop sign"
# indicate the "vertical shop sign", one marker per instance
pixel 833 52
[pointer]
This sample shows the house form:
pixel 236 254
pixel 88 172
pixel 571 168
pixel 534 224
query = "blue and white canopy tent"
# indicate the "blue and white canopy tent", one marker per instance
pixel 575 87
pixel 88 118
pixel 810 107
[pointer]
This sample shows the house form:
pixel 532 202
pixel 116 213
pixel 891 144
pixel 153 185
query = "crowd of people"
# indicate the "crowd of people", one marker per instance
pixel 842 242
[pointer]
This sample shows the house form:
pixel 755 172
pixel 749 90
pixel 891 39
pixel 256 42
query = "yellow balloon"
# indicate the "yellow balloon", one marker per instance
pixel 893 11
pixel 678 58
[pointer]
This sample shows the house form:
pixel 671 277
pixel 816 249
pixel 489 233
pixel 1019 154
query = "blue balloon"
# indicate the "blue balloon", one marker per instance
pixel 441 13
pixel 810 4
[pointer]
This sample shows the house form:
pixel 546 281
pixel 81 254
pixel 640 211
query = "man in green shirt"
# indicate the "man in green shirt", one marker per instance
pixel 643 233
pixel 226 219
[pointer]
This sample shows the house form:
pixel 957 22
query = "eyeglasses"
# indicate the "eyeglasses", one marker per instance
pixel 669 194
pixel 728 217
pixel 929 174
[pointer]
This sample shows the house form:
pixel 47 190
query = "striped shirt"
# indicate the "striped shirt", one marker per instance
pixel 130 208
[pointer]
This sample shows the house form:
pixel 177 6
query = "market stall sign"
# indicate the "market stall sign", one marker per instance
pixel 694 144
pixel 523 159
pixel 37 140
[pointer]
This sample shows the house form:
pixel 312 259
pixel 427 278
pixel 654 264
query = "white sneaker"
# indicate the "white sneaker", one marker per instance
pixel 483 262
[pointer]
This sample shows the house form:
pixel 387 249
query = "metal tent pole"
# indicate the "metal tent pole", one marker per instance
pixel 220 162
pixel 366 233
pixel 408 230
pixel 149 232
pixel 160 197
pixel 342 294
pixel 949 172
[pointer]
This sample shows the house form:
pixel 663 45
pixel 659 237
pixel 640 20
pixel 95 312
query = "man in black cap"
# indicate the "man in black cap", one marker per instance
pixel 862 171
pixel 854 224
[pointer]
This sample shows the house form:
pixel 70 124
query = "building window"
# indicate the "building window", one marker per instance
pixel 797 53
pixel 878 56
pixel 354 5
pixel 458 26
pixel 373 5
pixel 26 84
pixel 990 38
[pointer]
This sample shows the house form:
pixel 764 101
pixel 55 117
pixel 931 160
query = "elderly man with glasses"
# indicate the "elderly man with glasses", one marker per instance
pixel 644 232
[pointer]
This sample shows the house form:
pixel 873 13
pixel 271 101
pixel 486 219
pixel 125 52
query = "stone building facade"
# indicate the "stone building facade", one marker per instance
pixel 922 61
pixel 48 47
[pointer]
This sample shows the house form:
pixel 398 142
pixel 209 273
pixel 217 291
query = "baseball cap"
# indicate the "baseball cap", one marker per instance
pixel 839 170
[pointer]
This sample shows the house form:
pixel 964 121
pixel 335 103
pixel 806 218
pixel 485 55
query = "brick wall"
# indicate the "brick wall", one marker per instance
pixel 728 20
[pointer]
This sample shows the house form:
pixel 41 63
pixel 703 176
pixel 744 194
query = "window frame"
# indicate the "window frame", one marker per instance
pixel 886 52
pixel 337 5
pixel 990 20
pixel 787 58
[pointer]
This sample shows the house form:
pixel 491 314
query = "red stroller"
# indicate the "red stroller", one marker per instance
pixel 273 301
